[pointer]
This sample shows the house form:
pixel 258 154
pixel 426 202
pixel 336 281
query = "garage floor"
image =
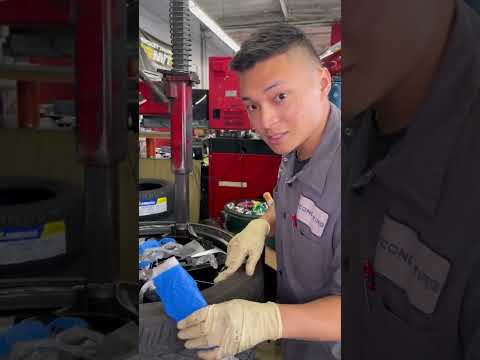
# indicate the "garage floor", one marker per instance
pixel 268 351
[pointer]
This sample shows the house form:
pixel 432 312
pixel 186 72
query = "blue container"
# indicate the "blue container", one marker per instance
pixel 335 95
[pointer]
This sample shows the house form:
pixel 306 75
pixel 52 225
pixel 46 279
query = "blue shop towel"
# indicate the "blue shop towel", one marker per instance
pixel 166 240
pixel 150 244
pixel 177 290
pixel 26 330
pixel 154 243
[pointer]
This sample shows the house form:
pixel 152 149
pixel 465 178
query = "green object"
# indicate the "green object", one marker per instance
pixel 259 208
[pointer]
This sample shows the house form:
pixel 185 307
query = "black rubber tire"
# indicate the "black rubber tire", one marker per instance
pixel 152 189
pixel 26 202
pixel 158 333
pixel 211 222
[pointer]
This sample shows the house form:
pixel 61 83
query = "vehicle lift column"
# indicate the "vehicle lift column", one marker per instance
pixel 179 84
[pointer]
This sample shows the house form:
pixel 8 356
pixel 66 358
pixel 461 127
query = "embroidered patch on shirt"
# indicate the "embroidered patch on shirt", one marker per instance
pixel 411 265
pixel 311 215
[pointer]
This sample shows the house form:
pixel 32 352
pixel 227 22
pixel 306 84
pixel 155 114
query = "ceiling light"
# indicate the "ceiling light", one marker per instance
pixel 213 26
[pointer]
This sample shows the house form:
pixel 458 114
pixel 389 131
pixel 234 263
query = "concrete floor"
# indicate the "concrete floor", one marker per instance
pixel 268 351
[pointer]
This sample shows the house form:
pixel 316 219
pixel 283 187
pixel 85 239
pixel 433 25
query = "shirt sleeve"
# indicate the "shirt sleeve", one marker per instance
pixel 336 283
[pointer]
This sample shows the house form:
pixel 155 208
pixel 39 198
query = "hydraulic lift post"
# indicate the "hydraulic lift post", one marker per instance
pixel 179 89
pixel 102 116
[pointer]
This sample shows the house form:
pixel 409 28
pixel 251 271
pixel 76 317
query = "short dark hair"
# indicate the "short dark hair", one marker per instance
pixel 270 41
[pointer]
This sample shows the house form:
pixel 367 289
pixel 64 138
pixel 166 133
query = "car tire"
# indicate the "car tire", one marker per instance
pixel 50 209
pixel 158 333
pixel 159 193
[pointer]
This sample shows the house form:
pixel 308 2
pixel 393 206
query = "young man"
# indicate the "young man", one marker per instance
pixel 285 90
pixel 411 284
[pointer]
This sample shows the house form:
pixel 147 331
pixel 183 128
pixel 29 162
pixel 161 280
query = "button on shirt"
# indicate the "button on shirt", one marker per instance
pixel 307 232
pixel 413 218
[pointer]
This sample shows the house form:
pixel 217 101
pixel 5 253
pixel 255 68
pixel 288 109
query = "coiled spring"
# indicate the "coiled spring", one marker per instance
pixel 181 35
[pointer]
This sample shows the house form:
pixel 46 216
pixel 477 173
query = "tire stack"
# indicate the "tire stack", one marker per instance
pixel 40 225
pixel 155 200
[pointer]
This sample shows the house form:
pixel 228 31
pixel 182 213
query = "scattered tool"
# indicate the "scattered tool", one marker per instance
pixel 207 252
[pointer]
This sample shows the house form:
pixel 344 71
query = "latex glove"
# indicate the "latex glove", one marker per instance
pixel 248 243
pixel 232 327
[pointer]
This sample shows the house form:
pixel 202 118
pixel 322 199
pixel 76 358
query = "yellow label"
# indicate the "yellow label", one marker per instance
pixel 163 57
pixel 148 51
pixel 161 200
pixel 53 228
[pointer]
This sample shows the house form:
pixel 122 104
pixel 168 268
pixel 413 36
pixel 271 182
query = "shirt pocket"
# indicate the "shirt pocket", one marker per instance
pixel 389 331
pixel 396 302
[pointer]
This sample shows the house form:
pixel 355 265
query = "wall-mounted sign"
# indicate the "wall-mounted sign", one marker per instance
pixel 159 53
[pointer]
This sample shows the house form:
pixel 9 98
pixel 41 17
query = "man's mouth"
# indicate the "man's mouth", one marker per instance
pixel 277 138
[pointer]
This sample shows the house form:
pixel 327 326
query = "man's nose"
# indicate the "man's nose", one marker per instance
pixel 268 117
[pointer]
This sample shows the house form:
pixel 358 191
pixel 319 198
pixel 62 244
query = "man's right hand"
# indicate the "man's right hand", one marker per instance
pixel 248 244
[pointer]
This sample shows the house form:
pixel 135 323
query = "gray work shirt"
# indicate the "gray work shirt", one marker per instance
pixel 307 232
pixel 411 244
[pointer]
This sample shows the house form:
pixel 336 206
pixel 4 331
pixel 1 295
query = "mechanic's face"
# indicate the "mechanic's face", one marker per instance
pixel 286 98
pixel 382 42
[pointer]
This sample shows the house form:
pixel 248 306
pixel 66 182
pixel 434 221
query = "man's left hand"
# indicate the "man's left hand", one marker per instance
pixel 230 328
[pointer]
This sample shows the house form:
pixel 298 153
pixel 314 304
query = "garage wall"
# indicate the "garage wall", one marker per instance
pixel 154 20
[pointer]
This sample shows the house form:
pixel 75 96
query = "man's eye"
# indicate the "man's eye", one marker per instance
pixel 251 107
pixel 280 97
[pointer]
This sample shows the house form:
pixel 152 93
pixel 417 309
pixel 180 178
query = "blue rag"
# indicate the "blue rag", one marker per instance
pixel 177 290
pixel 149 244
pixel 166 240
pixel 26 330
pixel 143 264
pixel 153 243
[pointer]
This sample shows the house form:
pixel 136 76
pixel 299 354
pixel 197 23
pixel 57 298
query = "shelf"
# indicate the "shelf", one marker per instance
pixel 155 135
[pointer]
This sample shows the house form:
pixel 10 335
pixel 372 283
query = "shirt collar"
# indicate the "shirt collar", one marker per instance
pixel 318 166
